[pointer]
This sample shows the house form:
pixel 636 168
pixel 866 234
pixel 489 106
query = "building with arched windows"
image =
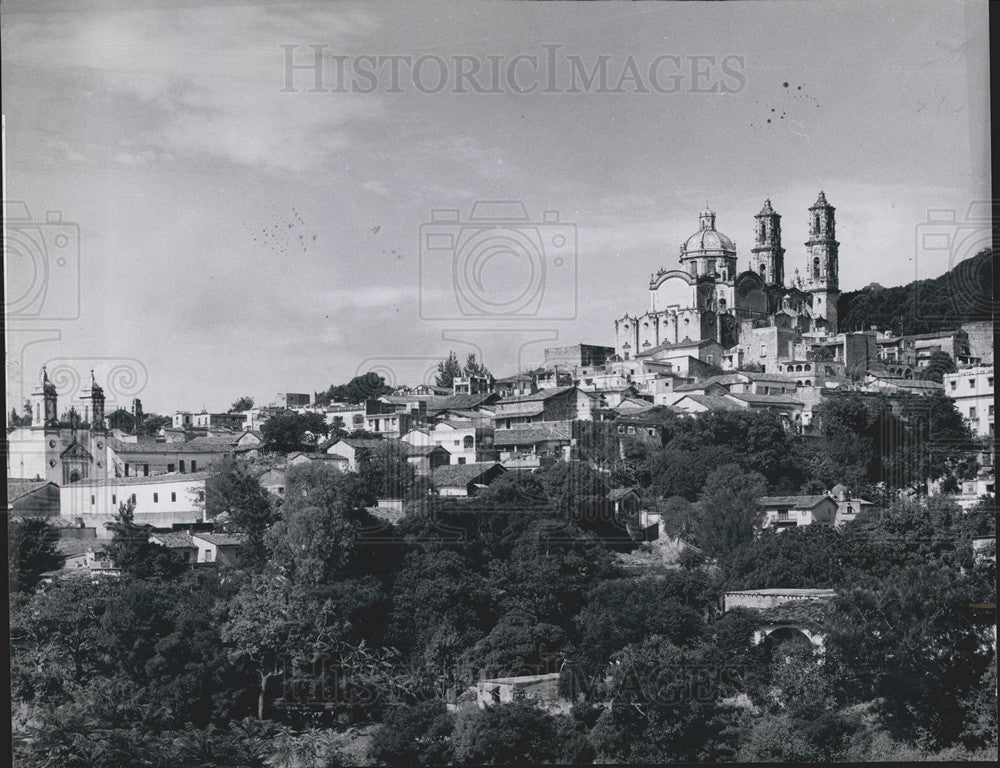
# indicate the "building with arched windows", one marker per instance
pixel 709 298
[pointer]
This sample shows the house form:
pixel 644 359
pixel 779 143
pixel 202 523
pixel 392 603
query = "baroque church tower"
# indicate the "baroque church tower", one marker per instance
pixel 768 260
pixel 822 263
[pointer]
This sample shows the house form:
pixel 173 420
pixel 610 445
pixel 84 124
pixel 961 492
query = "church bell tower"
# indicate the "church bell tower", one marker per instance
pixel 768 260
pixel 822 265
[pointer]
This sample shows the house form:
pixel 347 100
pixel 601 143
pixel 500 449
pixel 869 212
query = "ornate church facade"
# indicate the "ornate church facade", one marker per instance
pixel 709 299
pixel 61 452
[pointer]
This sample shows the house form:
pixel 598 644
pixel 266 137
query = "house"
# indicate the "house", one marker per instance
pixel 515 386
pixel 354 449
pixel 465 479
pixel 847 508
pixel 788 409
pixel 876 381
pixel 273 481
pixel 222 548
pixel 161 501
pixel 687 358
pixel 534 445
pixel 181 543
pixel 425 458
pixel 624 502
pixel 145 458
pixel 352 417
pixel 782 512
pixel 81 555
pixel 32 498
pixel 541 690
pixel 329 459
pixel 971 389
pixel 438 405
pixel 700 403
pixel 568 403
pixel 465 442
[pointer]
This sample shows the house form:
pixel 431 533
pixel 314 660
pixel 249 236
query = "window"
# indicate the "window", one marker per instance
pixel 621 430
pixel 461 459
pixel 989 382
pixel 194 465
pixel 991 410
pixel 156 498
pixel 972 383
pixel 954 384
pixel 972 413
pixel 132 498
pixel 93 500
pixel 764 390
pixel 173 496
pixel 145 470
pixel 182 466
pixel 650 431
pixel 170 467
pixel 114 499
pixel 763 350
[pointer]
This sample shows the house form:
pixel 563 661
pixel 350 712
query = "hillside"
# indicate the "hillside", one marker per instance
pixel 962 295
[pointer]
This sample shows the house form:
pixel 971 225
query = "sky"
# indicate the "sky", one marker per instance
pixel 228 226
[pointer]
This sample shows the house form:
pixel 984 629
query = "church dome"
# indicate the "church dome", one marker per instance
pixel 708 239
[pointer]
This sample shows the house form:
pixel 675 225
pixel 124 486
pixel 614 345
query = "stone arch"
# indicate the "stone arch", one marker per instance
pixel 779 633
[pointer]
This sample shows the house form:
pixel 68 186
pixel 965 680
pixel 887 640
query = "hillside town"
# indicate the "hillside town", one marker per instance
pixel 477 383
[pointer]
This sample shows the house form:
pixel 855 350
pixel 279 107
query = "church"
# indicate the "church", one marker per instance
pixel 61 452
pixel 709 299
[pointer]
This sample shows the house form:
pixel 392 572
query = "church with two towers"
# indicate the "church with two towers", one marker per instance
pixel 708 298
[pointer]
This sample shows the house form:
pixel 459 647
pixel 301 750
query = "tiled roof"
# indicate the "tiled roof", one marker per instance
pixel 174 540
pixel 72 547
pixel 619 493
pixel 223 539
pixel 16 487
pixel 461 402
pixel 363 442
pixel 542 394
pixel 750 397
pixel 198 445
pixel 713 402
pixel 460 475
pixel 799 502
pixel 530 435
pixel 113 482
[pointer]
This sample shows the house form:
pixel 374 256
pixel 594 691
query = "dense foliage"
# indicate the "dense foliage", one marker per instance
pixel 336 617
pixel 963 294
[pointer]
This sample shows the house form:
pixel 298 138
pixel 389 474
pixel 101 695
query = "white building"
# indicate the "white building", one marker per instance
pixel 457 438
pixel 972 391
pixel 161 501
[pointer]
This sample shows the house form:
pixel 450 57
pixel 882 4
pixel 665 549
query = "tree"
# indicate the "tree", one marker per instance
pixel 624 611
pixel 385 473
pixel 419 734
pixel 232 489
pixel 286 431
pixel 913 640
pixel 475 368
pixel 244 403
pixel 366 386
pixel 447 370
pixel 505 734
pixel 31 552
pixel 152 423
pixel 518 645
pixel 730 514
pixel 938 365
pixel 133 553
pixel 276 628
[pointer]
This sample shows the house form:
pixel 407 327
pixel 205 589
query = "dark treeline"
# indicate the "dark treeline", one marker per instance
pixel 164 665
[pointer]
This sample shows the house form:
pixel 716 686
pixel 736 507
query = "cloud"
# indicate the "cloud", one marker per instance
pixel 200 83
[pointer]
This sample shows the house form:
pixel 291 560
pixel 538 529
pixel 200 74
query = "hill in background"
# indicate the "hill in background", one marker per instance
pixel 962 295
